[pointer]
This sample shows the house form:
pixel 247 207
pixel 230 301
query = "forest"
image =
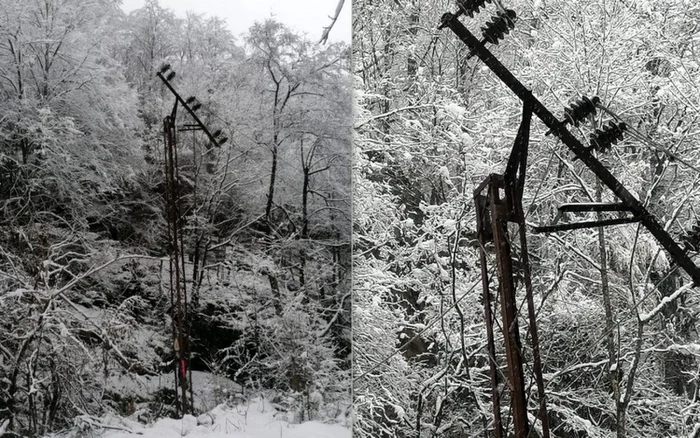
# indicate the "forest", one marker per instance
pixel 85 252
pixel 617 319
pixel 328 250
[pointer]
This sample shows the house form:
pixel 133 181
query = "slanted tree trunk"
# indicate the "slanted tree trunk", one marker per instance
pixel 613 365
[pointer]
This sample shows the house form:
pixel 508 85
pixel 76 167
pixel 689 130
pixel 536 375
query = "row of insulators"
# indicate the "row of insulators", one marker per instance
pixel 608 135
pixel 497 28
pixel 221 140
pixel 471 7
pixel 164 68
pixel 691 240
pixel 579 110
pixel 602 139
pixel 191 102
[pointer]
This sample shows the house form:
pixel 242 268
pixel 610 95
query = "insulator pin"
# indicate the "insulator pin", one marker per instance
pixel 602 139
pixel 499 26
pixel 470 7
pixel 580 110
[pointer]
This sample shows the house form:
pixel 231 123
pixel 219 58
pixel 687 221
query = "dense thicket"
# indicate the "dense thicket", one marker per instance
pixel 431 125
pixel 83 271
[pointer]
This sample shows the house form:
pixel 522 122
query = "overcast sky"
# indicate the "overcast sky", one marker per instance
pixel 304 16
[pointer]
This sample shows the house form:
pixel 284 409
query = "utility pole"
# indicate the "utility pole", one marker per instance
pixel 177 265
pixel 559 129
pixel 499 201
pixel 176 249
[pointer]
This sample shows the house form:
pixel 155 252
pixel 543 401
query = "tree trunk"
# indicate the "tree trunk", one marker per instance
pixel 613 373
pixel 275 288
pixel 621 422
pixel 271 189
pixel 304 205
pixel 304 231
pixel 414 21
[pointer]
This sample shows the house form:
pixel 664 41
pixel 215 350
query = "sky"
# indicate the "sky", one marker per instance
pixel 303 16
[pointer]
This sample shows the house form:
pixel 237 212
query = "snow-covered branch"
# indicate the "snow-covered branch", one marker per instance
pixel 646 317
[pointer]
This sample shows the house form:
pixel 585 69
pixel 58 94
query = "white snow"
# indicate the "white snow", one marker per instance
pixel 205 386
pixel 400 412
pixel 428 245
pixel 646 317
pixel 455 110
pixel 467 140
pixel 695 431
pixel 257 419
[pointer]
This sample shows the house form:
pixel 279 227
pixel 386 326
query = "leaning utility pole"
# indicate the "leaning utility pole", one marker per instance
pixel 176 250
pixel 559 129
pixel 499 201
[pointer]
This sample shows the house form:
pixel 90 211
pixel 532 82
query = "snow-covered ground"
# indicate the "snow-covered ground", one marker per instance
pixel 209 389
pixel 236 418
pixel 256 419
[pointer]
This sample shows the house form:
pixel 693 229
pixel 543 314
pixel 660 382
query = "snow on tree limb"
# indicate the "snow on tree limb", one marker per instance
pixel 696 431
pixel 390 113
pixel 325 331
pixel 646 317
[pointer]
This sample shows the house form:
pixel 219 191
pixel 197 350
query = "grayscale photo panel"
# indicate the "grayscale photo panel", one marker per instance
pixel 525 218
pixel 175 218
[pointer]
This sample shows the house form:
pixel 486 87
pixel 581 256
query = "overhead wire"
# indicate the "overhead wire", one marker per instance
pixel 645 139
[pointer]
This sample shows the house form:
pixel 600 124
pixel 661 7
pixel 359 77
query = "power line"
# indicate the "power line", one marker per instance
pixel 645 139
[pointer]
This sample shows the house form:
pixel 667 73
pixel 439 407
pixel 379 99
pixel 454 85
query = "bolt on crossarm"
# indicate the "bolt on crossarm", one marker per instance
pixel 583 153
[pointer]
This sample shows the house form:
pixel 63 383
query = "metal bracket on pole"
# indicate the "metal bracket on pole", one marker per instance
pixel 189 109
pixel 586 224
pixel 586 207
